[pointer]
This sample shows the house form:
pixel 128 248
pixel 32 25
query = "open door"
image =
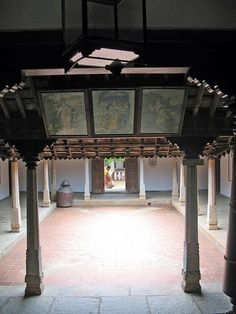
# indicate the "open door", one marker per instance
pixel 98 175
pixel 131 174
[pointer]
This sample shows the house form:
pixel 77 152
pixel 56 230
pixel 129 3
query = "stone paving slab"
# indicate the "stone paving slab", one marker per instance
pixel 33 305
pixel 75 305
pixel 179 304
pixel 150 304
pixel 212 303
pixel 124 305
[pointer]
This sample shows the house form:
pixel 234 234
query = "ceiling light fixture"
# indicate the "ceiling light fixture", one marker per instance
pixel 102 57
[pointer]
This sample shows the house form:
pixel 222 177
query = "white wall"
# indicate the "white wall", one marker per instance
pixel 4 179
pixel 202 175
pixel 45 14
pixel 225 183
pixel 159 178
pixel 71 170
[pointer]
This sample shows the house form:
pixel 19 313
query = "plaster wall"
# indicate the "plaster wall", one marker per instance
pixel 4 179
pixel 71 170
pixel 158 178
pixel 225 168
pixel 202 175
pixel 181 14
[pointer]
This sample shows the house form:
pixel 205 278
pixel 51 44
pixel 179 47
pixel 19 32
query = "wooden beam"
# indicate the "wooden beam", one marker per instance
pixel 96 71
pixel 33 89
pixel 215 104
pixel 198 100
pixel 20 105
pixel 4 109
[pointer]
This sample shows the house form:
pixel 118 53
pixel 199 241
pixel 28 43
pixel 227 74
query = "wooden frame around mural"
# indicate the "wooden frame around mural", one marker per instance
pixel 113 111
pixel 64 113
pixel 162 110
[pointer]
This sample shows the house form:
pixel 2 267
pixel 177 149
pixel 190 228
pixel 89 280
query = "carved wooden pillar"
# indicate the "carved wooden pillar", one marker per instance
pixel 46 195
pixel 86 183
pixel 29 150
pixel 53 180
pixel 16 209
pixel 34 275
pixel 175 192
pixel 191 271
pixel 142 192
pixel 229 286
pixel 211 205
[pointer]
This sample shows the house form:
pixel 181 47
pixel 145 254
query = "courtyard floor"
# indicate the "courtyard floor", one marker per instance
pixel 113 259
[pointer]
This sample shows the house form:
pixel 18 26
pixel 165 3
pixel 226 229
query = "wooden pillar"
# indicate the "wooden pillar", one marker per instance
pixel 211 205
pixel 86 183
pixel 53 180
pixel 34 275
pixel 229 286
pixel 182 188
pixel 16 209
pixel 191 271
pixel 46 195
pixel 142 192
pixel 175 192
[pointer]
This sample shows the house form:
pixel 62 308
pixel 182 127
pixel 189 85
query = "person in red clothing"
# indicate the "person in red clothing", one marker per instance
pixel 108 178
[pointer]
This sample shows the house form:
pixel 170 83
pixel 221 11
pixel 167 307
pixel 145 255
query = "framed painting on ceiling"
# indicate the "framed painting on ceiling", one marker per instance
pixel 64 113
pixel 162 110
pixel 113 111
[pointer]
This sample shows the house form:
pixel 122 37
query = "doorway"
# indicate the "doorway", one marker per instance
pixel 122 175
pixel 114 175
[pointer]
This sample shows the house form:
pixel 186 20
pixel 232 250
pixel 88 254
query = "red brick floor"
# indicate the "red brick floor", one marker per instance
pixel 112 246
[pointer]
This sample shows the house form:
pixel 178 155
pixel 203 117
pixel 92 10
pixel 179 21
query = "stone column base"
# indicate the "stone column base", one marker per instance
pixel 46 204
pixel 200 211
pixel 190 282
pixel 213 227
pixel 142 197
pixel 53 197
pixel 15 229
pixel 191 288
pixel 87 198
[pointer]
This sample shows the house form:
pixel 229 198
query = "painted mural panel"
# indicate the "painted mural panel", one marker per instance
pixel 113 111
pixel 64 113
pixel 162 110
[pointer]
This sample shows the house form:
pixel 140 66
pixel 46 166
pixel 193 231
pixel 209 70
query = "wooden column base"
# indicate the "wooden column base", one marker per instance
pixel 34 285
